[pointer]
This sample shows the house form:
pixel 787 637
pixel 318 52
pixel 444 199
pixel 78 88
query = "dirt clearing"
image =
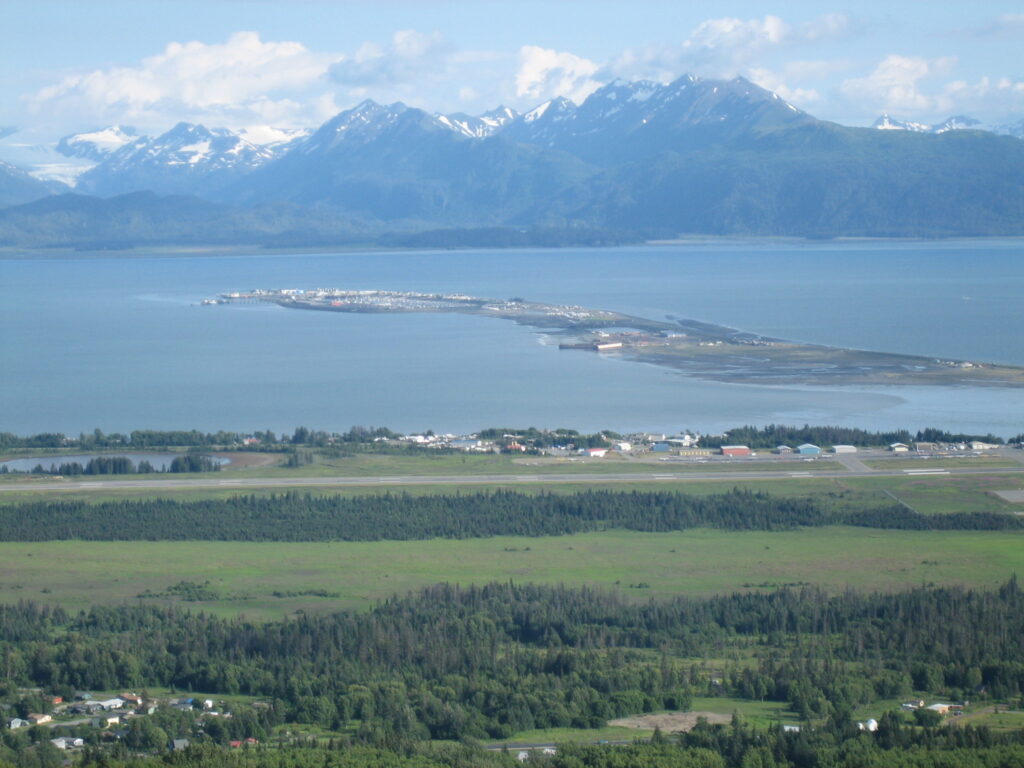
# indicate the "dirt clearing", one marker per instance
pixel 670 722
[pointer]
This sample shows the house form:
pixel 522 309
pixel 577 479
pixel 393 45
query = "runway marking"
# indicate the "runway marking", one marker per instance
pixel 800 474
pixel 926 471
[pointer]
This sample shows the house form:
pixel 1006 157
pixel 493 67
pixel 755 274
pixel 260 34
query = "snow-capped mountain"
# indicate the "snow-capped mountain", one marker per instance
pixel 275 139
pixel 954 123
pixel 628 120
pixel 887 123
pixel 186 159
pixel 17 186
pixel 96 145
pixel 479 126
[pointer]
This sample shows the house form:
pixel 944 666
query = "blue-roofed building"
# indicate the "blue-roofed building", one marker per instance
pixel 808 450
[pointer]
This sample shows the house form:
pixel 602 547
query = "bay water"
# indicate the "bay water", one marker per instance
pixel 122 342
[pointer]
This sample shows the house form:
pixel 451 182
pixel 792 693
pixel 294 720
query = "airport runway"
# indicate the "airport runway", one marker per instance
pixel 662 476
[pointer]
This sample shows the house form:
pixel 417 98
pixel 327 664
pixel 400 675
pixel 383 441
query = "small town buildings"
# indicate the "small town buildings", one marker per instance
pixel 67 742
pixel 661 447
pixel 684 440
pixel 924 447
pixel 844 449
pixel 623 447
pixel 694 452
pixel 735 450
pixel 808 449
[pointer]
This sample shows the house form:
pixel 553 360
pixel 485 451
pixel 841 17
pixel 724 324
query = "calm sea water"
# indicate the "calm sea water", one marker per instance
pixel 121 344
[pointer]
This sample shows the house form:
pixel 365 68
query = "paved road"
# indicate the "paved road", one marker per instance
pixel 400 480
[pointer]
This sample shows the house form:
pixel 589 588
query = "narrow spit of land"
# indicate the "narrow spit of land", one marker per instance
pixel 704 350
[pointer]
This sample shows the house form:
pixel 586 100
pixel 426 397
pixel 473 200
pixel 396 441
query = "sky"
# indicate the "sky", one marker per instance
pixel 73 66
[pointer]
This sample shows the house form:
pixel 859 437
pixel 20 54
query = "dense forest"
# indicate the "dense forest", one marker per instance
pixel 486 662
pixel 296 516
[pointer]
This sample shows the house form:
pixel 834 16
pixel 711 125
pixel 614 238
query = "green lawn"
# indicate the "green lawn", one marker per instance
pixel 700 562
pixel 759 713
pixel 584 735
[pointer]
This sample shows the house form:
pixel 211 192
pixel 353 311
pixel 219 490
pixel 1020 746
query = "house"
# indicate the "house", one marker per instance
pixel 735 450
pixel 37 719
pixel 899 447
pixel 67 742
pixel 115 703
pixel 808 449
pixel 131 698
pixel 17 722
pixel 106 721
pixel 941 708
pixel 844 449
pixel 782 450
pixel 624 447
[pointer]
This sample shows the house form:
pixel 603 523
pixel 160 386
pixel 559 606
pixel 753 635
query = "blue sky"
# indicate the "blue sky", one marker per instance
pixel 71 66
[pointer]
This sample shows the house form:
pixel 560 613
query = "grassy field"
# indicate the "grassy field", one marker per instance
pixel 467 464
pixel 246 575
pixel 926 494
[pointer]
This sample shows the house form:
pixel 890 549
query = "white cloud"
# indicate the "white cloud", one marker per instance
pixel 545 73
pixel 776 82
pixel 726 47
pixel 410 56
pixel 898 84
pixel 243 79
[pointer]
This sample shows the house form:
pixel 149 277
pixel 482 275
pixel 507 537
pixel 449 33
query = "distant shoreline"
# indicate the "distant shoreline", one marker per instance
pixel 8 253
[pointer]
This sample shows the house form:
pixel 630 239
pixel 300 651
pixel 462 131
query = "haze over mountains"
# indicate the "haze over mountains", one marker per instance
pixel 692 156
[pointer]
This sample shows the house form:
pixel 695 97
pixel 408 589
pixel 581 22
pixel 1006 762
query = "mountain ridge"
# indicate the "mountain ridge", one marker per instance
pixel 688 157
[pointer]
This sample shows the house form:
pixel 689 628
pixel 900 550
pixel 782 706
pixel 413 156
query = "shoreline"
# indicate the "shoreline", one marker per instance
pixel 694 348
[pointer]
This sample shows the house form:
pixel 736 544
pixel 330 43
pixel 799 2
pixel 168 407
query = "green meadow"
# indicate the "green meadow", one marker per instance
pixel 328 576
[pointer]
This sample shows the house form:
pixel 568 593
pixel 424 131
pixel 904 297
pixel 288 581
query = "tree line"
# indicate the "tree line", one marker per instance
pixel 773 435
pixel 298 516
pixel 122 465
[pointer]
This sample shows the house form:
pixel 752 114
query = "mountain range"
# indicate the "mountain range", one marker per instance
pixel 691 156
